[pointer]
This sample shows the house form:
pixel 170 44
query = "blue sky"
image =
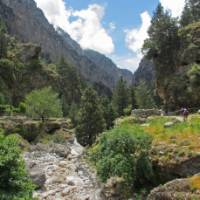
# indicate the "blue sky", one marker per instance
pixel 125 14
pixel 116 28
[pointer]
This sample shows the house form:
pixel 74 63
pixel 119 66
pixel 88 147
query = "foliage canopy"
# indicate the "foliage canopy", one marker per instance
pixel 14 182
pixel 43 103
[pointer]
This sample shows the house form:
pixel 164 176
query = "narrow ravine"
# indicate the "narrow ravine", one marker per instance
pixel 65 178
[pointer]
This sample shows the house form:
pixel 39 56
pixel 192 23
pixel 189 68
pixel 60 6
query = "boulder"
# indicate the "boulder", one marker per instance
pixel 29 52
pixel 30 129
pixel 179 189
pixel 8 126
pixel 37 174
pixel 173 122
pixel 39 147
pixel 60 150
pixel 52 126
pixel 115 189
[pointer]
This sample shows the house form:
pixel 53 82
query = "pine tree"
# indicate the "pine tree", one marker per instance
pixel 3 40
pixel 132 97
pixel 191 12
pixel 163 42
pixel 73 113
pixel 70 85
pixel 120 97
pixel 144 96
pixel 162 47
pixel 90 119
pixel 108 112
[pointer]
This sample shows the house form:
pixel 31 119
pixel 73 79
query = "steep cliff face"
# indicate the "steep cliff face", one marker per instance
pixel 108 67
pixel 27 23
pixel 145 72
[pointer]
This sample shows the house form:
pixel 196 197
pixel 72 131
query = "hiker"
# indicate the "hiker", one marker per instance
pixel 184 113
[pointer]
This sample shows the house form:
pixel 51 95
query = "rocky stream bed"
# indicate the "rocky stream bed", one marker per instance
pixel 61 173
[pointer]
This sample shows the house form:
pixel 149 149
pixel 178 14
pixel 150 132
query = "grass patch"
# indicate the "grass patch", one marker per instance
pixel 195 182
pixel 185 134
pixel 169 145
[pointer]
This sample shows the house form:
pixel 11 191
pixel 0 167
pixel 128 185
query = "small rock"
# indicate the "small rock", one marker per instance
pixel 169 124
pixel 145 125
pixel 65 191
pixel 38 176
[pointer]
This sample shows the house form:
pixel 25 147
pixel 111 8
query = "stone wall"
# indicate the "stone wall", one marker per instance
pixel 144 113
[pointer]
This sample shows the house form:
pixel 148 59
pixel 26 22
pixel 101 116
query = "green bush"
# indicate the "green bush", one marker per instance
pixel 22 107
pixel 128 110
pixel 14 182
pixel 118 152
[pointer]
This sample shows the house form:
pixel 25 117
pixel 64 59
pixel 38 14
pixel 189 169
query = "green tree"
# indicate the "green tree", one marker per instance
pixel 11 73
pixel 90 119
pixel 163 41
pixel 133 101
pixel 190 51
pixel 70 85
pixel 194 86
pixel 73 113
pixel 191 12
pixel 3 40
pixel 120 97
pixel 108 112
pixel 14 182
pixel 144 96
pixel 43 103
pixel 162 47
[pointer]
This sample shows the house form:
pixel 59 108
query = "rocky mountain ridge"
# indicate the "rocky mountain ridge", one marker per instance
pixel 28 24
pixel 145 72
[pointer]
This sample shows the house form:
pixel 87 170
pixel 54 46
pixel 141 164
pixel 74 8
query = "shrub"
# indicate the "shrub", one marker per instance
pixel 127 111
pixel 14 182
pixel 120 151
pixel 22 107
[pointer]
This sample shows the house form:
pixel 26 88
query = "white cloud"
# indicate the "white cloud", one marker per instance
pixel 175 6
pixel 112 26
pixel 136 36
pixel 84 26
pixel 135 39
pixel 129 62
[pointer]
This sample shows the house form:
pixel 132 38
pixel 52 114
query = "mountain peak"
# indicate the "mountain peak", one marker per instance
pixel 29 24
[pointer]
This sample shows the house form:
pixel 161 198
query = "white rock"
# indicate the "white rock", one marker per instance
pixel 168 124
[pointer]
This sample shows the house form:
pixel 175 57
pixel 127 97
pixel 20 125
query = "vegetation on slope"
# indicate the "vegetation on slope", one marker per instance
pixel 173 46
pixel 14 181
pixel 123 152
pixel 131 150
